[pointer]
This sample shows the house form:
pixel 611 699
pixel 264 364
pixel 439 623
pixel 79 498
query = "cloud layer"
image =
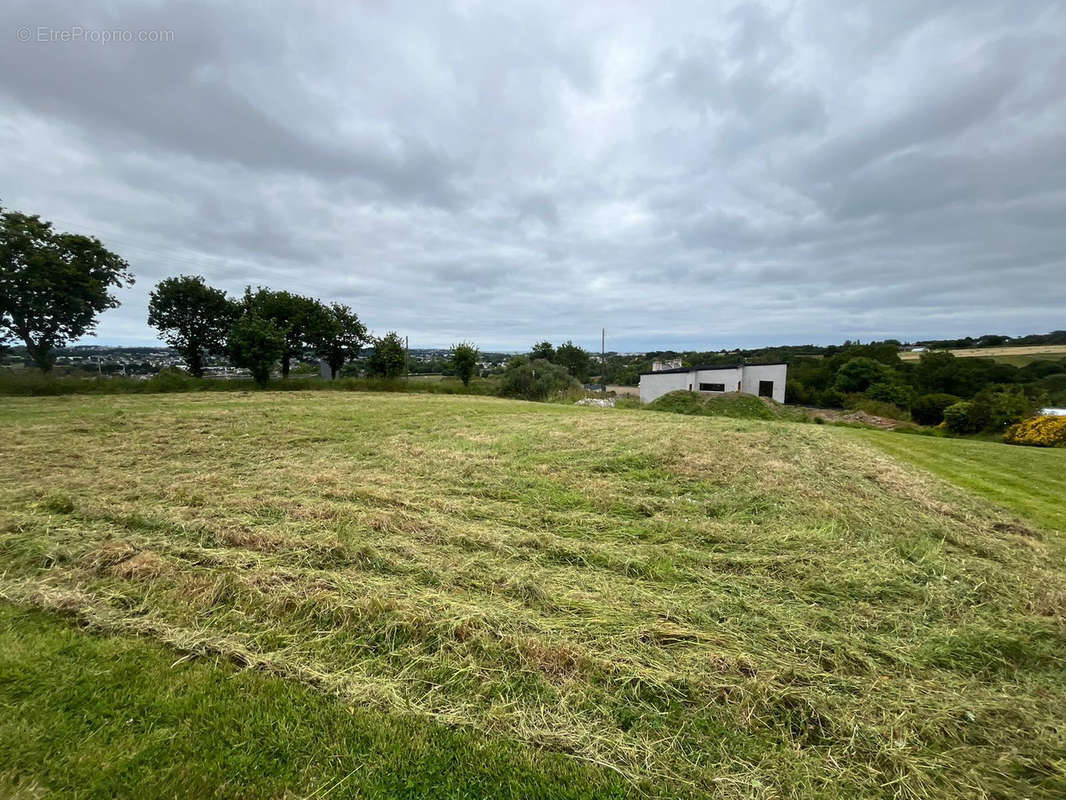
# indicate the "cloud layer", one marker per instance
pixel 754 174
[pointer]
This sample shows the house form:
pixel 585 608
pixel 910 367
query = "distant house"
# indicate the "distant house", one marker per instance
pixel 763 380
pixel 919 349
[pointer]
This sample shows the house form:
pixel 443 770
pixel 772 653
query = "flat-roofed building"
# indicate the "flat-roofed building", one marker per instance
pixel 762 380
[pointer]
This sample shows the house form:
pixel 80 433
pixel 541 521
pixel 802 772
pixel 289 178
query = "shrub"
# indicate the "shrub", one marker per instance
pixel 536 380
pixel 831 398
pixel 878 408
pixel 797 393
pixel 959 418
pixel 173 380
pixel 1043 431
pixel 929 408
pixel 996 408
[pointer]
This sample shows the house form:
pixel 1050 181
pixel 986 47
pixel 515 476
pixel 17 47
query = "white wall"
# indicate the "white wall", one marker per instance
pixel 656 384
pixel 730 378
pixel 770 372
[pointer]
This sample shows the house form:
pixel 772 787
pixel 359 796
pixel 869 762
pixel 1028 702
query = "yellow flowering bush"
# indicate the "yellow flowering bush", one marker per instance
pixel 1039 432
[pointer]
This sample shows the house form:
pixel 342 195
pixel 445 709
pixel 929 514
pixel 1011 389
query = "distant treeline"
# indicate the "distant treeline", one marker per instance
pixel 992 340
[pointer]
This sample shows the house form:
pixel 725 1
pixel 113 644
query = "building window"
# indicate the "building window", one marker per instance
pixel 766 388
pixel 712 387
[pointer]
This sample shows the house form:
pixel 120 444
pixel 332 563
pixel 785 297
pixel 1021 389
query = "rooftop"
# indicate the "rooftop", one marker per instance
pixel 717 366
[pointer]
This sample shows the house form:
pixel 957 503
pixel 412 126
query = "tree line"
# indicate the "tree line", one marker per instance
pixel 54 285
pixel 969 395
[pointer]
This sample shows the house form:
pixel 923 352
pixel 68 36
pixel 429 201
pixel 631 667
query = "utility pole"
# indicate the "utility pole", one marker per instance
pixel 407 359
pixel 603 360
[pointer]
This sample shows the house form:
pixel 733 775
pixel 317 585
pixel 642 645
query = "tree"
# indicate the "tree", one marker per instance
pixel 296 316
pixel 52 285
pixel 464 361
pixel 193 318
pixel 858 374
pixel 929 408
pixel 543 351
pixel 388 357
pixel 256 344
pixel 338 336
pixel 575 359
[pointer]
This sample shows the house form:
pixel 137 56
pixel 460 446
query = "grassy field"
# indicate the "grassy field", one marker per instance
pixel 1018 356
pixel 617 602
pixel 1030 481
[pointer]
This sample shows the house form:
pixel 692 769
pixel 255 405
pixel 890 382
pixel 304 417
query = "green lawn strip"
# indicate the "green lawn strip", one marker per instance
pixel 98 716
pixel 1029 481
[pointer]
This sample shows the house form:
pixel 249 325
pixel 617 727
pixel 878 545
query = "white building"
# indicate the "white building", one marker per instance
pixel 763 380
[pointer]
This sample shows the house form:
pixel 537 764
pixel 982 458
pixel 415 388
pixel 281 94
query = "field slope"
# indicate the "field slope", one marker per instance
pixel 691 605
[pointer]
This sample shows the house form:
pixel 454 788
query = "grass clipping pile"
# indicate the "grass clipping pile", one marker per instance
pixel 743 607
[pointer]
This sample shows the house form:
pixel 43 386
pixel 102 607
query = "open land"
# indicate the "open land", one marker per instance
pixel 280 593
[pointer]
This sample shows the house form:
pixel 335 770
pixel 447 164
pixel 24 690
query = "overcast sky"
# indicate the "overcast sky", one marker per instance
pixel 707 176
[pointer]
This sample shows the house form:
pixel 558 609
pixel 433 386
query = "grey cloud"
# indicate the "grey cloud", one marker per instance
pixel 692 175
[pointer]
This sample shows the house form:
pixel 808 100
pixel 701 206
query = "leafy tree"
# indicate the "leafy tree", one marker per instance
pixel 890 392
pixel 296 316
pixel 929 408
pixel 543 351
pixel 52 285
pixel 193 318
pixel 999 407
pixel 858 374
pixel 538 379
pixel 962 417
pixel 575 359
pixel 256 344
pixel 388 357
pixel 464 361
pixel 338 336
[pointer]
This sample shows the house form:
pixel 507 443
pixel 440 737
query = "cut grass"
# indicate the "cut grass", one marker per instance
pixel 1031 481
pixel 734 607
pixel 125 719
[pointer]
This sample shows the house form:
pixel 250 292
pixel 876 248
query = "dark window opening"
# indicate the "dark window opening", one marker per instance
pixel 712 387
pixel 766 388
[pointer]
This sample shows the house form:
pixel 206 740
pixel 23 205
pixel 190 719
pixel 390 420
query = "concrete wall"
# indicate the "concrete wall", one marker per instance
pixel 657 384
pixel 770 372
pixel 743 379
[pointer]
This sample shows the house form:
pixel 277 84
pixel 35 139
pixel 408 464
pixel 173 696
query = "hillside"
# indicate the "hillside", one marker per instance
pixel 644 603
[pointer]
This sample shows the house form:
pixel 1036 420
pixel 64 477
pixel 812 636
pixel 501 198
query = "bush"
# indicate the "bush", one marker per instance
pixel 998 407
pixel 959 418
pixel 536 380
pixel 1043 431
pixel 798 394
pixel 878 408
pixel 891 392
pixel 831 398
pixel 929 408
